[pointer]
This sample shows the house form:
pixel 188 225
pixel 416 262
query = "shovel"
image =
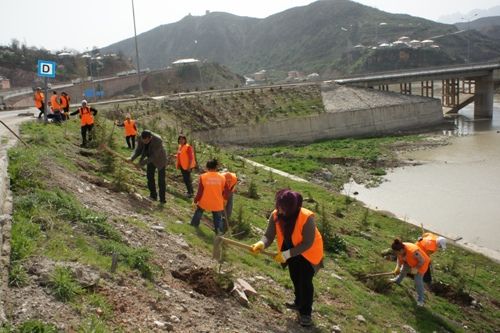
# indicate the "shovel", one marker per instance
pixel 219 240
pixel 368 276
pixel 114 153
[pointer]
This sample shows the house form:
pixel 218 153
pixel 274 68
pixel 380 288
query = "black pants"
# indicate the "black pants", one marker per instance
pixel 186 176
pixel 84 129
pixel 302 273
pixel 427 275
pixel 42 110
pixel 151 170
pixel 130 141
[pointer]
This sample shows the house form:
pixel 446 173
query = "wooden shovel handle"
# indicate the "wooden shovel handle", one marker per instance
pixel 245 246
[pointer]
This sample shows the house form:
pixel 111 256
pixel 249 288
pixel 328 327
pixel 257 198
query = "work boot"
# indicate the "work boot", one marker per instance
pixel 292 306
pixel 305 320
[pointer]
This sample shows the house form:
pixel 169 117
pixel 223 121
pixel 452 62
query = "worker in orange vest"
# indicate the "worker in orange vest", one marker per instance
pixel 39 98
pixel 185 161
pixel 210 197
pixel 55 105
pixel 430 243
pixel 300 247
pixel 65 99
pixel 86 115
pixel 411 259
pixel 231 181
pixel 130 130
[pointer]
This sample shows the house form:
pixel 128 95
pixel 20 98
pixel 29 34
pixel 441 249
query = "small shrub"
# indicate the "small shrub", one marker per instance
pixel 365 223
pixel 17 276
pixel 252 190
pixel 378 172
pixel 93 325
pixel 63 284
pixel 36 326
pixel 337 244
pixel 242 227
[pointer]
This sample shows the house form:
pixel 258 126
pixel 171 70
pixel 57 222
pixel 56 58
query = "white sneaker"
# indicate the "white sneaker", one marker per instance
pixel 393 280
pixel 420 303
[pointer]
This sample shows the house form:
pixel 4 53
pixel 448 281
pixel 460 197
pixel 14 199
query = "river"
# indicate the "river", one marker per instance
pixel 456 190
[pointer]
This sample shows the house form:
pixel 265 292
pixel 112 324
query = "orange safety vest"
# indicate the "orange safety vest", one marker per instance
pixel 314 254
pixel 428 243
pixel 231 180
pixel 213 187
pixel 86 117
pixel 39 97
pixel 410 259
pixel 130 129
pixel 54 103
pixel 183 157
pixel 64 102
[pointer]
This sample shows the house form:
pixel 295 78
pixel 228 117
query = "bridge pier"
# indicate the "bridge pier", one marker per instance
pixel 483 98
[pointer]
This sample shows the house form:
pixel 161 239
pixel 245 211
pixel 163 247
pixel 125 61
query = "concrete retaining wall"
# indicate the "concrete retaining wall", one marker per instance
pixel 352 123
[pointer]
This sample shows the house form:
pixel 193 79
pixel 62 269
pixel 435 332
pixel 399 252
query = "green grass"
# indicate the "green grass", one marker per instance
pixel 64 287
pixel 336 302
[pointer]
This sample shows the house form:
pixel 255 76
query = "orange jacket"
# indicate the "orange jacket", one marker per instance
pixel 428 243
pixel 86 117
pixel 39 99
pixel 410 259
pixel 231 180
pixel 185 157
pixel 315 253
pixel 213 187
pixel 130 128
pixel 54 103
pixel 64 101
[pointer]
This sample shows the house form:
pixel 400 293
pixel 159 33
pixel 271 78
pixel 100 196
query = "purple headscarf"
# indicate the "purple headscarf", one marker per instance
pixel 290 203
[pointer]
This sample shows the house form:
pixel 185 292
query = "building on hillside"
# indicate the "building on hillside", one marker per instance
pixel 399 44
pixel 313 77
pixel 187 61
pixel 294 75
pixel 404 39
pixel 4 83
pixel 260 75
pixel 427 43
pixel 415 43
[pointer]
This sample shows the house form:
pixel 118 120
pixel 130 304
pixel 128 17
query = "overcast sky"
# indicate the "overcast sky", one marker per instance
pixel 56 24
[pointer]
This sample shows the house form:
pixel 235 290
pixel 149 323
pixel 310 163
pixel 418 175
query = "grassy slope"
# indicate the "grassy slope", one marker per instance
pixel 337 302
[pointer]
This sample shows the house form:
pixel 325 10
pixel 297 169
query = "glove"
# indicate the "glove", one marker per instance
pixel 257 247
pixel 282 257
pixel 414 271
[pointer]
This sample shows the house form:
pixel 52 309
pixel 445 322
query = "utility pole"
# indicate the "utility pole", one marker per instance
pixel 468 37
pixel 137 52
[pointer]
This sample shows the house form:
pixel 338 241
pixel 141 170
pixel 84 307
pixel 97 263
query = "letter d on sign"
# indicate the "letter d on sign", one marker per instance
pixel 45 68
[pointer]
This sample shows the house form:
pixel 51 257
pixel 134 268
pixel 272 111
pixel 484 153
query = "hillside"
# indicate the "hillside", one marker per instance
pixel 488 26
pixel 86 206
pixel 311 38
pixel 18 62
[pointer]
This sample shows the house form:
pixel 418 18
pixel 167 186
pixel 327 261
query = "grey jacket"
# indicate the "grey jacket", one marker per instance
pixel 153 152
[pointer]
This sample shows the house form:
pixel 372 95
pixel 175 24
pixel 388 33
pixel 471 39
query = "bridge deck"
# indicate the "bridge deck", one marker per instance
pixel 463 72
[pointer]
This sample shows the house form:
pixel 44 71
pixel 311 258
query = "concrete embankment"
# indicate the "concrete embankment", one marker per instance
pixel 349 112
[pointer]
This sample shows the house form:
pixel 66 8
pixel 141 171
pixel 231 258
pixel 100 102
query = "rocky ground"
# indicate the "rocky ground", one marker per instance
pixel 187 297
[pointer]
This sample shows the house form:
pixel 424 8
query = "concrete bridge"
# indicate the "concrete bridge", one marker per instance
pixel 475 81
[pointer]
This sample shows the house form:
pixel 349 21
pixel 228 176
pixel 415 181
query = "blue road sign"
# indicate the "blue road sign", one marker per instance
pixel 46 68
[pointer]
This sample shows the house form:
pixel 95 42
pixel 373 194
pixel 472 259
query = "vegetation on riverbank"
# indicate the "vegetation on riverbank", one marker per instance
pixel 76 206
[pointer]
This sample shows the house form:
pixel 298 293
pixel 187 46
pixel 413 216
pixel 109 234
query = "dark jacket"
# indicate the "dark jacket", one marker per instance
pixel 153 152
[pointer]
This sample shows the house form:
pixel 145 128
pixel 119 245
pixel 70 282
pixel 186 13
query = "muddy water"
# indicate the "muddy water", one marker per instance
pixel 456 191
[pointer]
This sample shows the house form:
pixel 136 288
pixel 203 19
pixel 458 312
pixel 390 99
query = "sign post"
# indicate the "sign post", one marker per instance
pixel 46 69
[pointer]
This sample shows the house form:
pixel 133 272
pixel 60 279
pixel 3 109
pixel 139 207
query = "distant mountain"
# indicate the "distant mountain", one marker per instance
pixel 489 26
pixel 473 14
pixel 308 38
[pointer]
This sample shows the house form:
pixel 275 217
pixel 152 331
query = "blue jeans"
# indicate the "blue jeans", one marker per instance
pixel 419 282
pixel 217 216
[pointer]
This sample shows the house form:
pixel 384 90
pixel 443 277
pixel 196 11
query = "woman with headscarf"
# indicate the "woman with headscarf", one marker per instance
pixel 300 247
